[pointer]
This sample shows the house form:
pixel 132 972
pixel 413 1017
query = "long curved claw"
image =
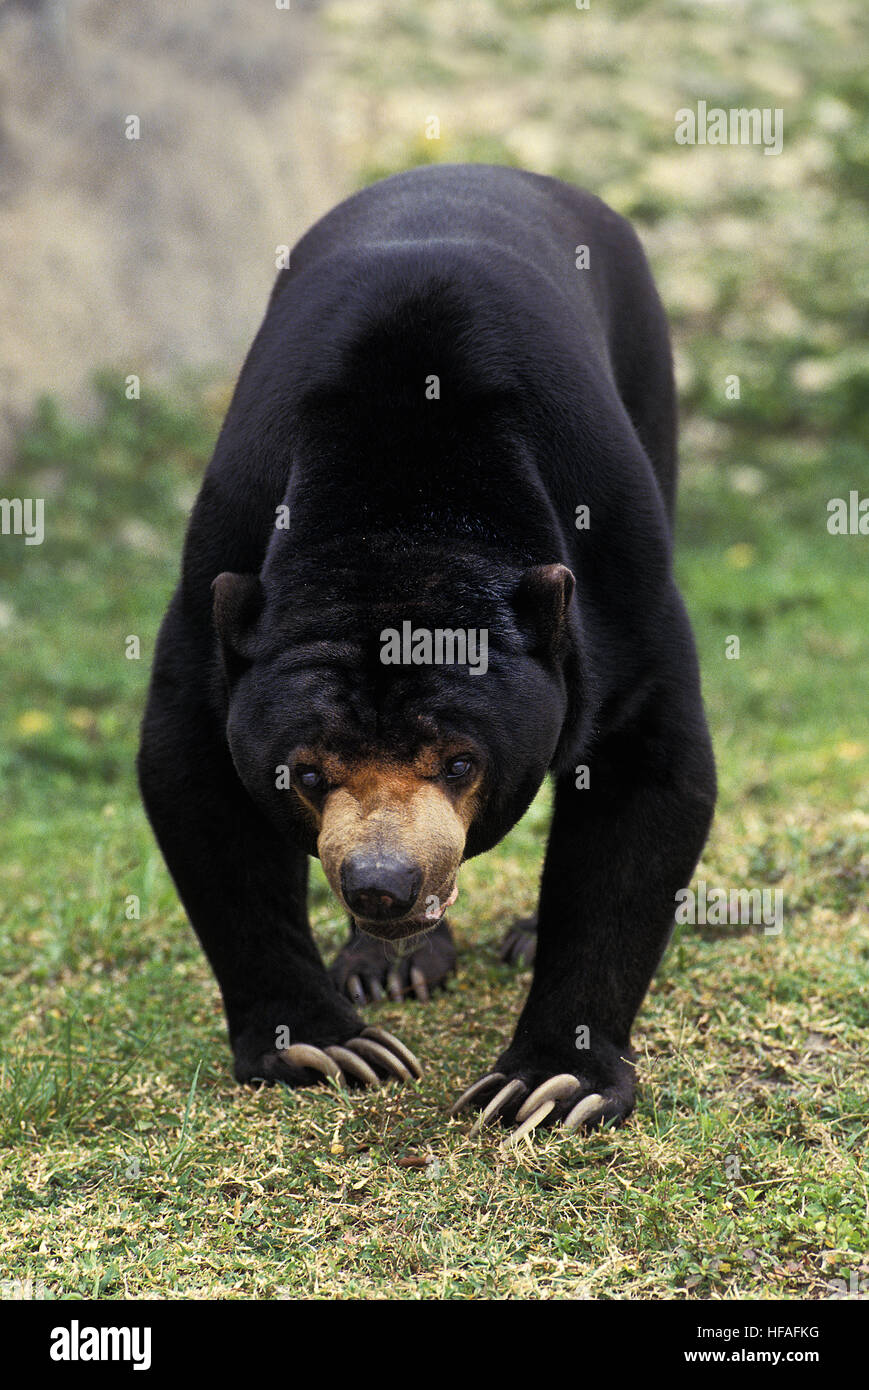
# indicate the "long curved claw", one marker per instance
pixel 514 1088
pixel 587 1109
pixel 356 989
pixel 394 987
pixel 420 986
pixel 375 989
pixel 304 1055
pixel 484 1084
pixel 401 1049
pixel 560 1087
pixel 352 1065
pixel 532 1121
pixel 375 1052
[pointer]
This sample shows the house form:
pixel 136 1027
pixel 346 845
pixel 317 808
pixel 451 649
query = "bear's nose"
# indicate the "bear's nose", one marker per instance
pixel 379 888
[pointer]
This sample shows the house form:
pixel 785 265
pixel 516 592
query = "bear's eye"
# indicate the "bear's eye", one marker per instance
pixel 457 768
pixel 311 778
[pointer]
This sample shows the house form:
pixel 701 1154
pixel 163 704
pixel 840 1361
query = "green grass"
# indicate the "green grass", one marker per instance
pixel 132 1166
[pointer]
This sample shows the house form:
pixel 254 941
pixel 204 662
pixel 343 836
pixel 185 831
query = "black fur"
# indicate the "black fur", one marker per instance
pixel 556 391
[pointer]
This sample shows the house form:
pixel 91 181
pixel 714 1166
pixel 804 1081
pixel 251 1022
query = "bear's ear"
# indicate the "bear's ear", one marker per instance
pixel 238 602
pixel 541 602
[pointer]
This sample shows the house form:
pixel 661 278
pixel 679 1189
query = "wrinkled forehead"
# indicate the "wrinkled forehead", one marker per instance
pixel 360 711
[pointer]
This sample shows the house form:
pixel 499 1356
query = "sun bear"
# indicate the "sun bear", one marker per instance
pixel 431 563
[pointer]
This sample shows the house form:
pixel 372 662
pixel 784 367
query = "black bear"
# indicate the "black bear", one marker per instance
pixel 431 562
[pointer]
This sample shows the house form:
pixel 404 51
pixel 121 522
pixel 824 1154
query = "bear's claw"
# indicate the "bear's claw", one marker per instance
pixel 484 1084
pixel 388 1039
pixel 353 1065
pixel 512 1091
pixel 357 1058
pixel 513 1103
pixel 304 1055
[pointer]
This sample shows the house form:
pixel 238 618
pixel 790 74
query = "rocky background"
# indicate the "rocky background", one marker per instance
pixel 156 253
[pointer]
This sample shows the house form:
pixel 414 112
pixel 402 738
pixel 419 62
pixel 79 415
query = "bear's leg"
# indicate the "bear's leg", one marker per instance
pixel 245 890
pixel 618 852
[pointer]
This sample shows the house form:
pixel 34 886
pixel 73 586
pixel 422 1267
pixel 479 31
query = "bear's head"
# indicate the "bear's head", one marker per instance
pixel 396 717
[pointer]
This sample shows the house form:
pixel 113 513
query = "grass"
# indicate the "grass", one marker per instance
pixel 135 1167
pixel 132 1166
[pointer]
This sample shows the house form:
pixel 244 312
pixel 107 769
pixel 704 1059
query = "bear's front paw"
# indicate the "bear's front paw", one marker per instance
pixel 365 969
pixel 368 1058
pixel 601 1092
pixel 519 943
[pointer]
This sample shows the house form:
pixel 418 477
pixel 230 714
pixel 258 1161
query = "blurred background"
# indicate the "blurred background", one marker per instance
pixel 157 253
pixel 153 253
pixel 153 257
